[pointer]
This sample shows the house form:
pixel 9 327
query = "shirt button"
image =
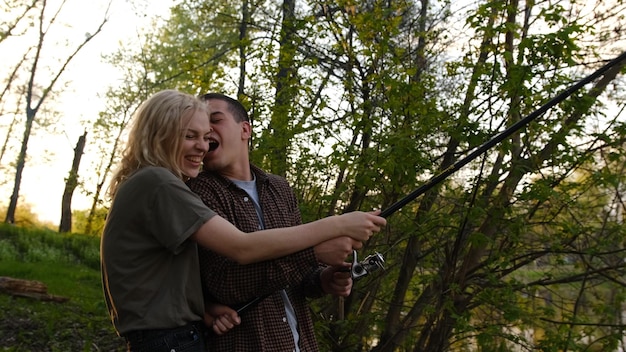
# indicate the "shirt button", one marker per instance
pixel 245 199
pixel 284 320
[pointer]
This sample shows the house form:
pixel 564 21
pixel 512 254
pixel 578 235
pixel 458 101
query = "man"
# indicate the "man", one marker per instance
pixel 252 199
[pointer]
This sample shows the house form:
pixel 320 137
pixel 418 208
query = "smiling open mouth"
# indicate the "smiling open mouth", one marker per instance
pixel 213 145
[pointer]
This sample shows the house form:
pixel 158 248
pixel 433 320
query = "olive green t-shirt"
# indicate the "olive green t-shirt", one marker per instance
pixel 150 269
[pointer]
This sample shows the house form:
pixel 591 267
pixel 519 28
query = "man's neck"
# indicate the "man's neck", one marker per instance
pixel 240 171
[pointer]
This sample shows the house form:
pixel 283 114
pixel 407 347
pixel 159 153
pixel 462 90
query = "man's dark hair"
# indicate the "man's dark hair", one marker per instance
pixel 234 106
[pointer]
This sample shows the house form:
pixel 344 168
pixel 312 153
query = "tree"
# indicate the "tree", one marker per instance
pixel 361 102
pixel 70 185
pixel 8 29
pixel 473 258
pixel 34 96
pixel 16 13
pixel 277 139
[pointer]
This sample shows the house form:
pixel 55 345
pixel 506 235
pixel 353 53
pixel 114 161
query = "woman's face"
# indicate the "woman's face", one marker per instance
pixel 195 143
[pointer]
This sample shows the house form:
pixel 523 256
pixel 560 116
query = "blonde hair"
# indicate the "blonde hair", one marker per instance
pixel 156 135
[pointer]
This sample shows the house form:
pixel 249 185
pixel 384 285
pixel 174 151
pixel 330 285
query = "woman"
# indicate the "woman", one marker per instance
pixel 149 257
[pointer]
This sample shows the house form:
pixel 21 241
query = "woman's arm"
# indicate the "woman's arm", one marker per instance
pixel 224 238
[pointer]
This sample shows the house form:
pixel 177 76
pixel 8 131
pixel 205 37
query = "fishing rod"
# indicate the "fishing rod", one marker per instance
pixel 375 261
pixel 499 138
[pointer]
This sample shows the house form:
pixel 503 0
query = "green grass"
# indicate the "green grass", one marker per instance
pixel 69 266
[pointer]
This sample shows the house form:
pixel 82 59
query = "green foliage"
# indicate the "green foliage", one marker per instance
pixel 360 103
pixel 81 217
pixel 69 267
pixel 25 217
pixel 37 245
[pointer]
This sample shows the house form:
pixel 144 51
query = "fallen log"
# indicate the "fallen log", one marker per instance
pixel 28 289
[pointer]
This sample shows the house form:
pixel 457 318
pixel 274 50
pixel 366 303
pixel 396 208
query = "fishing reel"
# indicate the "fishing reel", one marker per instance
pixel 371 263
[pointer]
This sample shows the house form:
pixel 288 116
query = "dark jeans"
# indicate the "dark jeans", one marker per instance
pixel 188 338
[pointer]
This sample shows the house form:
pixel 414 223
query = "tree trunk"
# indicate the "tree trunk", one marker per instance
pixel 70 185
pixel 19 168
pixel 279 134
pixel 243 58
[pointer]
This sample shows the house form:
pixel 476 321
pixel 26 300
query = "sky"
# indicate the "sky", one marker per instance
pixel 84 82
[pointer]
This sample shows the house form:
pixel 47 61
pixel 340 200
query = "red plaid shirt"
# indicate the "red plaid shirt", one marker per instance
pixel 263 327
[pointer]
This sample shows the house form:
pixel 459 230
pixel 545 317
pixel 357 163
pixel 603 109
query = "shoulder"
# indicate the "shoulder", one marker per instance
pixel 149 177
pixel 268 177
pixel 206 179
pixel 153 173
pixel 277 183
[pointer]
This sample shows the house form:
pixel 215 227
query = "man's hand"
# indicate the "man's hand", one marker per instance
pixel 337 280
pixel 334 252
pixel 220 318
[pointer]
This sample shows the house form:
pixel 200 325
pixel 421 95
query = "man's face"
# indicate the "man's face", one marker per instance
pixel 229 140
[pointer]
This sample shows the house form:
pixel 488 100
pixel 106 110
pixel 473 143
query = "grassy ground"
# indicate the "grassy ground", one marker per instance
pixel 69 266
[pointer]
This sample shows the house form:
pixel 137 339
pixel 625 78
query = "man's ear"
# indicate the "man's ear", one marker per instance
pixel 246 130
